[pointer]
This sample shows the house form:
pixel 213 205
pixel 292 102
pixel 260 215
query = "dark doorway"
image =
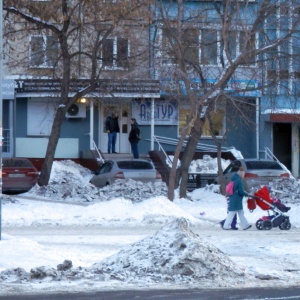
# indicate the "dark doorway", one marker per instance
pixel 282 143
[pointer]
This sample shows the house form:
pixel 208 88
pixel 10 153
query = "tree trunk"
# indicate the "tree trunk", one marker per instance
pixel 220 169
pixel 173 182
pixel 52 144
pixel 188 154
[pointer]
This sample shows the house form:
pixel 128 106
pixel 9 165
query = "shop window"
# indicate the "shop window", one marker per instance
pixel 40 116
pixel 218 124
pixel 43 51
pixel 217 116
pixel 182 119
pixel 115 53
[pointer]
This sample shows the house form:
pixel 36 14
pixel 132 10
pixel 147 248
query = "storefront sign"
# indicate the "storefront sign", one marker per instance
pixel 165 112
pixel 106 87
pixel 8 89
pixel 241 88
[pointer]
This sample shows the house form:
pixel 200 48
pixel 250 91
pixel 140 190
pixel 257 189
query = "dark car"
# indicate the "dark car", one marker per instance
pixel 124 169
pixel 257 172
pixel 18 175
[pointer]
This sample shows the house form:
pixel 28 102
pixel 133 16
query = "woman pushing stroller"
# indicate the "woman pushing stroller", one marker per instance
pixel 235 203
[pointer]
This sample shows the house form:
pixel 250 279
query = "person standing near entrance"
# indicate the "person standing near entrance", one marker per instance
pixel 134 138
pixel 112 128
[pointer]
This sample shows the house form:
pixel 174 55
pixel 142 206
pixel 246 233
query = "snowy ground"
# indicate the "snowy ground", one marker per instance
pixel 149 241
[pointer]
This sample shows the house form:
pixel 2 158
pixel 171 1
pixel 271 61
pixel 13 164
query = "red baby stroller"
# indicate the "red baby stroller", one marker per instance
pixel 263 199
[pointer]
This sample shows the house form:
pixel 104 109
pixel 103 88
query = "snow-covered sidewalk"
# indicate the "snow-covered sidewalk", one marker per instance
pixel 156 242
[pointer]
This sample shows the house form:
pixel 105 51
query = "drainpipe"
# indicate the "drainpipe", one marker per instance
pixel 92 147
pixel 152 125
pixel 257 127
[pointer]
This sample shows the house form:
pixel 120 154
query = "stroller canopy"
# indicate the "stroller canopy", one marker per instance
pixel 264 194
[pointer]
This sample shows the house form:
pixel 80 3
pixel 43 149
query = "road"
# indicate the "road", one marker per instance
pixel 190 294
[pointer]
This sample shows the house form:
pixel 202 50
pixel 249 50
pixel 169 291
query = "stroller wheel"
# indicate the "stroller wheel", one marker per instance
pixel 259 224
pixel 285 225
pixel 267 225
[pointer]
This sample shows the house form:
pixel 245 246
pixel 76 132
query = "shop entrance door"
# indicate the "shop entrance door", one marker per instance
pixel 122 143
pixel 282 143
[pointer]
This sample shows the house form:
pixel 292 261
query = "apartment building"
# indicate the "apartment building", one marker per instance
pixel 138 76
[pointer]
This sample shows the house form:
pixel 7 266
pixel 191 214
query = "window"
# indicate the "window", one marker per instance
pixel 197 46
pixel 115 53
pixel 242 42
pixel 134 165
pixel 40 116
pixel 236 45
pixel 209 47
pixel 261 165
pixel 217 116
pixel 43 51
pixel 233 167
pixel 203 46
pixel 191 45
pixel 168 40
pixel 218 123
pixel 182 118
pixel 105 168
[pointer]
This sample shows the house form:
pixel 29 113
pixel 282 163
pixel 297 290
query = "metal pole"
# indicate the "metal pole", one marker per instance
pixel 1 117
pixel 152 124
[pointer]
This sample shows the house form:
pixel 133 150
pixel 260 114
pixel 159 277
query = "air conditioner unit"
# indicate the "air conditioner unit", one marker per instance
pixel 76 111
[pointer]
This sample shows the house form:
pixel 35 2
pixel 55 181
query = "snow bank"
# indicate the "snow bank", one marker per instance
pixel 173 254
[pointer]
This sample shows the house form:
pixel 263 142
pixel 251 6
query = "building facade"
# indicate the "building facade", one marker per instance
pixel 143 89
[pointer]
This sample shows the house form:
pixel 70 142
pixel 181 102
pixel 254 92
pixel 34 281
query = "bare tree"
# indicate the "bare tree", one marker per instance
pixel 198 36
pixel 78 29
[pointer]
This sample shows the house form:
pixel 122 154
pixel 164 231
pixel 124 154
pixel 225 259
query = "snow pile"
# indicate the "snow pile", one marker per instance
pixel 173 255
pixel 69 186
pixel 136 191
pixel 69 182
pixel 207 165
pixel 286 189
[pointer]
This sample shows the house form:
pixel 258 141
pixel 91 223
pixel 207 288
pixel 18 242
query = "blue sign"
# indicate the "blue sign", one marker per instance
pixel 241 87
pixel 165 112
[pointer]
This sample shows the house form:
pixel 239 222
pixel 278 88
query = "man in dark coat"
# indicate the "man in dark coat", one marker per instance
pixel 112 128
pixel 134 138
pixel 235 205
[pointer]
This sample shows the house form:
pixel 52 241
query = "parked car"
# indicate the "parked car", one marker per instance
pixel 257 172
pixel 136 169
pixel 18 175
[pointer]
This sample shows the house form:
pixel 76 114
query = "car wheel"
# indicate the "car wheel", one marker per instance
pixel 267 225
pixel 259 224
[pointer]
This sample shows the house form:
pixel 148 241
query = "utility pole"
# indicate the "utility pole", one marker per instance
pixel 1 109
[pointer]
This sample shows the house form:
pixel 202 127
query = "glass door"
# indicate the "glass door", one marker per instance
pixel 122 143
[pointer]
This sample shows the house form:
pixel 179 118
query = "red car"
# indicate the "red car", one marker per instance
pixel 18 175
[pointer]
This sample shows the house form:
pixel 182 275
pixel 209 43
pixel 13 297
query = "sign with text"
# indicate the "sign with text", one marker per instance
pixel 108 87
pixel 241 88
pixel 8 89
pixel 165 112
